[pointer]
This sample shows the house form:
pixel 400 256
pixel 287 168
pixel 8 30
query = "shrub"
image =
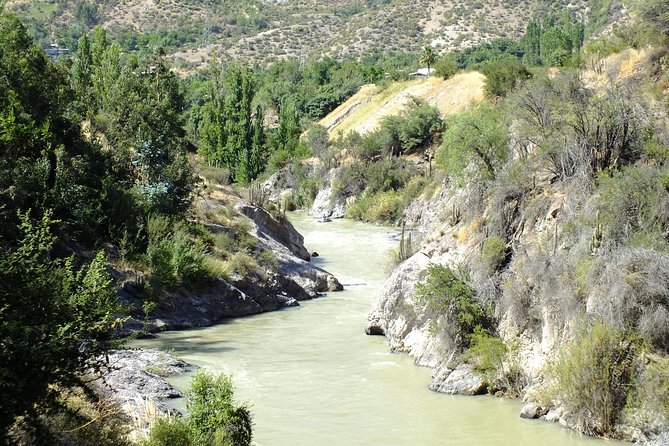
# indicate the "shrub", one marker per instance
pixel 592 376
pixel 486 353
pixel 170 432
pixel 477 137
pixel 173 255
pixel 503 75
pixel 214 417
pixel 494 252
pixel 446 67
pixel 649 406
pixel 632 202
pixel 447 292
pixel 240 263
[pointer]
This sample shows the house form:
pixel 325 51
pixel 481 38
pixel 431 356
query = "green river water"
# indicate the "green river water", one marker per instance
pixel 312 377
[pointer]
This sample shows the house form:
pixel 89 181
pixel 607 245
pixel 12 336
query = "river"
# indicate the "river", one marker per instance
pixel 312 377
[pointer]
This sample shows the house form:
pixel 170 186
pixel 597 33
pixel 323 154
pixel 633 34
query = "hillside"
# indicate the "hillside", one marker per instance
pixel 267 31
pixel 363 111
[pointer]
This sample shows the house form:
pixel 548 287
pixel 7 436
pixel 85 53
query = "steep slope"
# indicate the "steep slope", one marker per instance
pixel 547 254
pixel 364 110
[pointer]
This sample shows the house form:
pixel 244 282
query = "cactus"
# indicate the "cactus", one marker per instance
pixel 405 250
pixel 257 195
pixel 597 236
pixel 555 239
pixel 455 214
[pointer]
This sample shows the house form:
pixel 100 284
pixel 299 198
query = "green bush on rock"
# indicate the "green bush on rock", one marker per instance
pixel 214 419
pixel 593 374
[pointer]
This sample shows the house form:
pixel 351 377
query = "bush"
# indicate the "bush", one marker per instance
pixel 447 292
pixel 170 432
pixel 446 67
pixel 649 406
pixel 56 322
pixel 633 203
pixel 592 376
pixel 477 137
pixel 502 76
pixel 214 417
pixel 494 252
pixel 486 353
pixel 173 255
pixel 380 207
pixel 409 131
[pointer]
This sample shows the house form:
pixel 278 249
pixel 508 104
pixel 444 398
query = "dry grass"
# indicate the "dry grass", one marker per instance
pixel 615 68
pixel 364 111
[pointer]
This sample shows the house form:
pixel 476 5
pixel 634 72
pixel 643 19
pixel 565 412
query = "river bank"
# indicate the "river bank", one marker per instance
pixel 312 376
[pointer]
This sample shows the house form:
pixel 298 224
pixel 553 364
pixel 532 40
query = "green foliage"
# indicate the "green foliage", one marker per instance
pixel 503 75
pixel 631 206
pixel 648 405
pixel 390 174
pixel 592 376
pixel 555 47
pixel 552 42
pixel 214 416
pixel 214 419
pixel 476 137
pixel 170 432
pixel 486 353
pixel 494 252
pixel 173 255
pixel 55 320
pixel 475 56
pixel 44 163
pixel 655 12
pixel 447 292
pixel 446 67
pixel 231 135
pixel 428 57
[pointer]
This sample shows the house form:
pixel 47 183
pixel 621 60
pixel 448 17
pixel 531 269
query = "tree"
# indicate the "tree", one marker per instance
pixel 232 133
pixel 55 321
pixel 532 43
pixel 44 162
pixel 214 417
pixel 477 137
pixel 446 67
pixel 556 47
pixel 146 133
pixel 428 57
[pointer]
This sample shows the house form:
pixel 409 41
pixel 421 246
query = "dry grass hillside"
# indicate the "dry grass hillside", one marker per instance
pixel 265 31
pixel 364 110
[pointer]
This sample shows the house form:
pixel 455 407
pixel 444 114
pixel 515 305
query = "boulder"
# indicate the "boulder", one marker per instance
pixel 532 410
pixel 328 205
pixel 661 439
pixel 280 230
pixel 134 379
pixel 461 381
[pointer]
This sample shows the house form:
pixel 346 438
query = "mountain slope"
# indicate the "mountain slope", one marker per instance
pixel 364 111
pixel 266 31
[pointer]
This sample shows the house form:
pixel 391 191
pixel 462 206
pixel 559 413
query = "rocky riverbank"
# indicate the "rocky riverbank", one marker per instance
pixel 134 380
pixel 293 279
pixel 532 310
